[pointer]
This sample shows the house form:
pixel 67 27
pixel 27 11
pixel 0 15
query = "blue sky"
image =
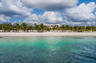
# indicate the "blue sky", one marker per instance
pixel 86 1
pixel 77 12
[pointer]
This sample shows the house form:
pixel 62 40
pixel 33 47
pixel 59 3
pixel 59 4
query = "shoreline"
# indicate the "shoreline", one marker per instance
pixel 37 34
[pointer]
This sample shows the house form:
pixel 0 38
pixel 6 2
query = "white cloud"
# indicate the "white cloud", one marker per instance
pixel 32 19
pixel 50 4
pixel 52 17
pixel 83 12
pixel 4 18
pixel 13 8
pixel 47 17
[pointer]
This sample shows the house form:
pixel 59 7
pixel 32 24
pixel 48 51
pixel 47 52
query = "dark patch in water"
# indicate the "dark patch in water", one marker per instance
pixel 78 37
pixel 1 37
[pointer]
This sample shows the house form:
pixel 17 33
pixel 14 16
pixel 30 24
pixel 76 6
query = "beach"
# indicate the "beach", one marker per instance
pixel 10 34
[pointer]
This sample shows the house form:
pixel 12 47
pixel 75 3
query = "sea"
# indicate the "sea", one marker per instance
pixel 47 49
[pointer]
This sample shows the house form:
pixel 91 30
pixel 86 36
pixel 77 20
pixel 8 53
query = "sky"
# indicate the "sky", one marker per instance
pixel 67 12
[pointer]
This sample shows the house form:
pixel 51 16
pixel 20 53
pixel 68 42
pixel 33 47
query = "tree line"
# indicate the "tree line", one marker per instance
pixel 41 28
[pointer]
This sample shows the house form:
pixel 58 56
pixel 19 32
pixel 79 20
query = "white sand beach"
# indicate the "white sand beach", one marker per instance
pixel 10 34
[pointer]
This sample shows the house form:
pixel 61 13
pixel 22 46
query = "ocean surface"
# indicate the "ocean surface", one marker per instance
pixel 47 49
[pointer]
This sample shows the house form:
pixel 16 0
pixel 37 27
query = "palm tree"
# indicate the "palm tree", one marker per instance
pixel 30 28
pixel 7 27
pixel 24 26
pixel 35 26
pixel 62 28
pixel 17 27
pixel 41 27
pixel 46 28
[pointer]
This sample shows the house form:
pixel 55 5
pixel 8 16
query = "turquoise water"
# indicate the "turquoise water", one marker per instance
pixel 48 50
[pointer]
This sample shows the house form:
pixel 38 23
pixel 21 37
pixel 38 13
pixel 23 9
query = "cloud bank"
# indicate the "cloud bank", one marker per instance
pixel 50 4
pixel 71 12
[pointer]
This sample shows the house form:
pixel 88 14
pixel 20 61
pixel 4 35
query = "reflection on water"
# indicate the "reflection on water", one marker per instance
pixel 48 50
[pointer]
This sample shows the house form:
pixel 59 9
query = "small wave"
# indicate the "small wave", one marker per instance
pixel 87 56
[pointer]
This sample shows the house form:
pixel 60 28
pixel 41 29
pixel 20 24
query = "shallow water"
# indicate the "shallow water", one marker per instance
pixel 48 50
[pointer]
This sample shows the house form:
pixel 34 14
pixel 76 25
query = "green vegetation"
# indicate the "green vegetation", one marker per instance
pixel 43 28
